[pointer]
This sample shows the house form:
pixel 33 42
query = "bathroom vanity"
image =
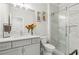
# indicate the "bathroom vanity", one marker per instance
pixel 25 45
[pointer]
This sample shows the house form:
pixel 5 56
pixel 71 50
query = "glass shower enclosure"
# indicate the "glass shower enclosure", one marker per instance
pixel 69 29
pixel 65 27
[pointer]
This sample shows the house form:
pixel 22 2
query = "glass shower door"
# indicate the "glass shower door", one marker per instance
pixel 73 28
pixel 63 31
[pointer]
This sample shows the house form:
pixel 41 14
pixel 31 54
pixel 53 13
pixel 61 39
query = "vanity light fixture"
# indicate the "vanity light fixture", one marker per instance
pixel 22 5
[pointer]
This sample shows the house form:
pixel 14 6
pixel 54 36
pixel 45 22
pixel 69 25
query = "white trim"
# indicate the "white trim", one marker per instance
pixel 49 22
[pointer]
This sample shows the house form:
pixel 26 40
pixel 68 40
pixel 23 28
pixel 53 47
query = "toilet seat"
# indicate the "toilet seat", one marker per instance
pixel 48 48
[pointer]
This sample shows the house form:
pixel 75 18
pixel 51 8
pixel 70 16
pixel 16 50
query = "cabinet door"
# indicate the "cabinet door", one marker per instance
pixel 15 51
pixel 18 43
pixel 33 49
pixel 5 45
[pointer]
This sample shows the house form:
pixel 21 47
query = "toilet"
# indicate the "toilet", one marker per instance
pixel 48 48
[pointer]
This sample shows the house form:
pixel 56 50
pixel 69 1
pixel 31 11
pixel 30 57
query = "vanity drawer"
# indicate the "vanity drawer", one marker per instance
pixel 36 40
pixel 15 51
pixel 28 41
pixel 18 43
pixel 5 45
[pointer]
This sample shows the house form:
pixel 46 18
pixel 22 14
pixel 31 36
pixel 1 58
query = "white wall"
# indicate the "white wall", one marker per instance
pixel 53 24
pixel 38 6
pixel 4 12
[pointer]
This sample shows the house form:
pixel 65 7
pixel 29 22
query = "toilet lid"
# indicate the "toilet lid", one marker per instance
pixel 49 46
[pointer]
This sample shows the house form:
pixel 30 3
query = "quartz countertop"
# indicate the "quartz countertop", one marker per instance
pixel 18 38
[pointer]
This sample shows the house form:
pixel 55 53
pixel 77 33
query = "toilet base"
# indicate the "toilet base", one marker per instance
pixel 56 52
pixel 47 53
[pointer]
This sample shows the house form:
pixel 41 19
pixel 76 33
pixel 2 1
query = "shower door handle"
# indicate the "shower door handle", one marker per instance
pixel 68 28
pixel 73 26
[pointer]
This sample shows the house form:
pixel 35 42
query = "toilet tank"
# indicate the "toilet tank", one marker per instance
pixel 44 39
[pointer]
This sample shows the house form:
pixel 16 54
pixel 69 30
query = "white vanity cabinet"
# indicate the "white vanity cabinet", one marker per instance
pixel 5 45
pixel 33 49
pixel 18 43
pixel 15 51
pixel 23 46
